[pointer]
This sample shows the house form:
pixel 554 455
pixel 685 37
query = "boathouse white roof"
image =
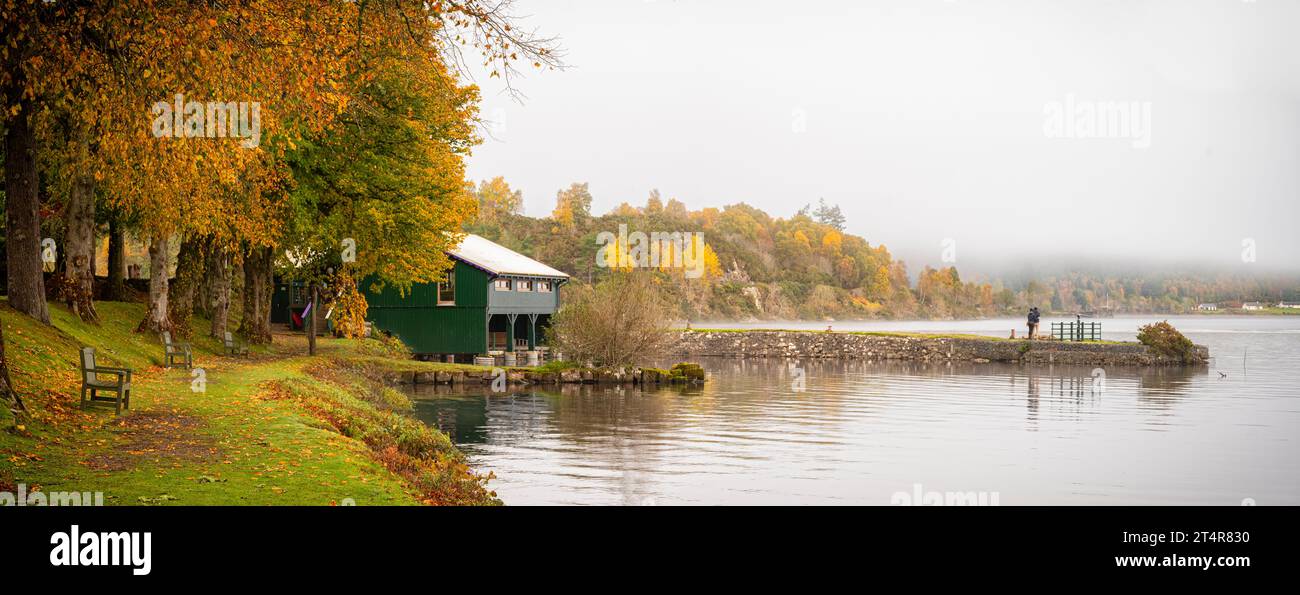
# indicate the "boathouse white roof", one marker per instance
pixel 496 259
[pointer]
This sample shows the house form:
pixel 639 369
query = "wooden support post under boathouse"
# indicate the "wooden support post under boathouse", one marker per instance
pixel 493 301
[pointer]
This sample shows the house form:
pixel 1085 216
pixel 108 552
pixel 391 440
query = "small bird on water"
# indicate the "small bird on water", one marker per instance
pixel 1223 374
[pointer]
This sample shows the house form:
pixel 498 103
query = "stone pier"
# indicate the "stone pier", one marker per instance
pixel 907 347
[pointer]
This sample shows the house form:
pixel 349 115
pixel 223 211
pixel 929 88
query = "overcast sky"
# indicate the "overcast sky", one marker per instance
pixel 929 119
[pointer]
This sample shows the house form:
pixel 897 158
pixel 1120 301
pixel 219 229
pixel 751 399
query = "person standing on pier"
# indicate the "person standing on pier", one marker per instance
pixel 1033 323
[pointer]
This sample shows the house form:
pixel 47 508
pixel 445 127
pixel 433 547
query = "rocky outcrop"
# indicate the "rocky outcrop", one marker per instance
pixel 879 346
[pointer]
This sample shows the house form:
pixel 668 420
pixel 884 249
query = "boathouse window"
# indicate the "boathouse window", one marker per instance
pixel 503 284
pixel 544 286
pixel 524 285
pixel 447 289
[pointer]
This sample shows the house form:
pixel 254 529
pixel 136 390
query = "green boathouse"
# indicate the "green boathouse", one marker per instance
pixel 492 299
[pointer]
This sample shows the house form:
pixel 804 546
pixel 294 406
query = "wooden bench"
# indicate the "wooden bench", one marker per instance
pixel 92 384
pixel 234 347
pixel 176 350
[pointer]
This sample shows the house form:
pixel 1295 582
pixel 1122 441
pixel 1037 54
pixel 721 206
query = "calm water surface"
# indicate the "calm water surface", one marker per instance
pixel 860 432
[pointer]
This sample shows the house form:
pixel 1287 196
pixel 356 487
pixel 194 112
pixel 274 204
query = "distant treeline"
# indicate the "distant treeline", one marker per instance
pixel 807 267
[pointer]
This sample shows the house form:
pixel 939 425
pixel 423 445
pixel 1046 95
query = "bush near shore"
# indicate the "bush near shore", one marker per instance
pixel 1166 340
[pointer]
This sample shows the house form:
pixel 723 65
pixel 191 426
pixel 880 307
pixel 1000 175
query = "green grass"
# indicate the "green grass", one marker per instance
pixel 266 430
pixel 410 365
pixel 556 366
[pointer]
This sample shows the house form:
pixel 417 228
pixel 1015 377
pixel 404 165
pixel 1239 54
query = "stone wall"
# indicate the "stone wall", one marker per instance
pixel 813 344
pixel 682 373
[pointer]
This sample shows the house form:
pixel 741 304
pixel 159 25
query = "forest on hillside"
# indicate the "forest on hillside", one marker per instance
pixel 807 267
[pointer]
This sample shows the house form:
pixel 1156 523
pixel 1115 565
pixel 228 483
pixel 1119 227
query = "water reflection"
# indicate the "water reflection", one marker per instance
pixel 858 432
pixel 831 431
pixel 470 415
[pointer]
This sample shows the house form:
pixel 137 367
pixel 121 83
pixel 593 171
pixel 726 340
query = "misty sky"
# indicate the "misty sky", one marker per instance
pixel 928 119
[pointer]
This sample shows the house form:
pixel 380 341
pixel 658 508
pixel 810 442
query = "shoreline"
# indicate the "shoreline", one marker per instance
pixel 872 346
pixel 1273 312
pixel 401 372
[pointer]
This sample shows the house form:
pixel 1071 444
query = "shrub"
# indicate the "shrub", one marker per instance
pixel 687 372
pixel 1166 340
pixel 623 320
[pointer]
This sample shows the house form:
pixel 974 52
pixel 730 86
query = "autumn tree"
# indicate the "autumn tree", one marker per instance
pixel 495 198
pixel 95 68
pixel 113 60
pixel 626 210
pixel 387 180
pixel 675 209
pixel 654 204
pixel 572 205
pixel 829 215
pixel 71 180
pixel 117 221
pixel 20 88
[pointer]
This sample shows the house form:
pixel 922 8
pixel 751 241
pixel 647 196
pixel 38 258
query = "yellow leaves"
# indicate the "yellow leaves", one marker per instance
pixel 832 241
pixel 712 268
pixel 802 239
pixel 350 306
pixel 304 69
pixel 867 305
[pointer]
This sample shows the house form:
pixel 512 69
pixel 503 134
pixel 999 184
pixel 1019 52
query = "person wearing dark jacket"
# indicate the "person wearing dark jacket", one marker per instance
pixel 1033 322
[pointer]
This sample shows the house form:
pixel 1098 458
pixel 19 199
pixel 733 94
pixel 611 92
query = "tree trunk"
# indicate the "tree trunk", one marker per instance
pixel 256 325
pixel 23 220
pixel 78 282
pixel 96 231
pixel 311 323
pixel 116 290
pixel 189 269
pixel 219 276
pixel 156 319
pixel 203 290
pixel 11 398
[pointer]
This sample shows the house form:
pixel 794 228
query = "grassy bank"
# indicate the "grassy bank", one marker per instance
pixel 276 428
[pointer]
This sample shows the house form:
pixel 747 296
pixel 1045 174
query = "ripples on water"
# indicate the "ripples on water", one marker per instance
pixel 861 432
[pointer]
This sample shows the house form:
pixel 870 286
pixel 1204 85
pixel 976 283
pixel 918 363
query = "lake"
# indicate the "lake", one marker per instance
pixel 772 431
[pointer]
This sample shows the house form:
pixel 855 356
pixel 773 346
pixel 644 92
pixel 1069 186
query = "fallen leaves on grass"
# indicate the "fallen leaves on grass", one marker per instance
pixel 156 500
pixel 160 437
